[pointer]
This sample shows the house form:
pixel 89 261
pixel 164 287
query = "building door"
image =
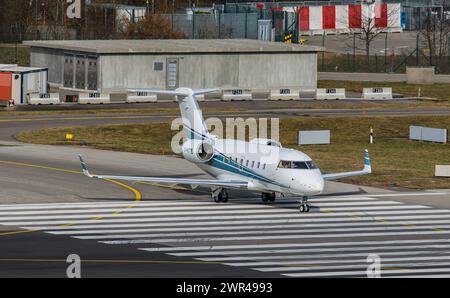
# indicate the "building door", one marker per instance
pixel 69 71
pixel 5 86
pixel 172 73
pixel 92 73
pixel 80 72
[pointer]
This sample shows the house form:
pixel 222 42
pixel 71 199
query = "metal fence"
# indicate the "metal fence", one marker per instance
pixel 204 26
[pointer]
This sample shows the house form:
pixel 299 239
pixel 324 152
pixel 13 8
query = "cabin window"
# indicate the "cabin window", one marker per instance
pixel 264 166
pixel 242 161
pixel 259 164
pixel 246 163
pixel 284 165
pixel 253 164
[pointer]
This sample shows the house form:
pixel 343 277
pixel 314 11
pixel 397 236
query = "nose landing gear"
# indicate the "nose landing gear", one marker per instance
pixel 304 206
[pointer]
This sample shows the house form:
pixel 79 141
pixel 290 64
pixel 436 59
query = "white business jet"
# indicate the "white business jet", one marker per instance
pixel 261 165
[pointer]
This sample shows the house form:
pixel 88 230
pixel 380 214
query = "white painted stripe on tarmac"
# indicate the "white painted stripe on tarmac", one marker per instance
pixel 302 254
pixel 367 208
pixel 162 203
pixel 327 260
pixel 132 213
pixel 90 229
pixel 141 208
pixel 262 254
pixel 140 239
pixel 271 213
pixel 129 233
pixel 333 245
pixel 357 266
pixel 326 217
pixel 363 273
pixel 223 226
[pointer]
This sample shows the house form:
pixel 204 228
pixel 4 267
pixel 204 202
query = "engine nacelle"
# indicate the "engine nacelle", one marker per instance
pixel 198 151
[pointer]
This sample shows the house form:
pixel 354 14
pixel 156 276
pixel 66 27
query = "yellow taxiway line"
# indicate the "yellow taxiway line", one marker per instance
pixel 136 193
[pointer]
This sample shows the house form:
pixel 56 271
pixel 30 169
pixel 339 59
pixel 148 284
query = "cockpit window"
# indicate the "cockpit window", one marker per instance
pixel 311 165
pixel 302 165
pixel 299 165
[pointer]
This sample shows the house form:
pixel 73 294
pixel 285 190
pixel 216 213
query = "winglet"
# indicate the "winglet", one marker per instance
pixel 84 167
pixel 367 162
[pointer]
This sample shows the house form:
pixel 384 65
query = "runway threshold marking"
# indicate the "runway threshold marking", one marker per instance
pixel 137 194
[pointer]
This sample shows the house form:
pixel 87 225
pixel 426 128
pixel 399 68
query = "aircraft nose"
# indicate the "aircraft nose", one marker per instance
pixel 316 186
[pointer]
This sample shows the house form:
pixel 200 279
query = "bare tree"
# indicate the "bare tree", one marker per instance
pixel 152 26
pixel 371 27
pixel 435 33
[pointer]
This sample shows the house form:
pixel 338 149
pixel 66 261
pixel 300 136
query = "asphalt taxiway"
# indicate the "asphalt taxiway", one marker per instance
pixel 13 124
pixel 49 210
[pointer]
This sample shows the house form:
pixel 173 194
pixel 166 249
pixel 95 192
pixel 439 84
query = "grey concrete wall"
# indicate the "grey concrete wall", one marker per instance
pixel 213 70
pixel 278 70
pixel 51 59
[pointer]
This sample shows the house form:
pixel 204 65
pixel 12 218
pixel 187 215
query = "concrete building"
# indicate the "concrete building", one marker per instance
pixel 109 65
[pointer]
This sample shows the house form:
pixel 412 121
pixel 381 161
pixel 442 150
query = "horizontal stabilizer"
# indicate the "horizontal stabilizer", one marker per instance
pixel 178 92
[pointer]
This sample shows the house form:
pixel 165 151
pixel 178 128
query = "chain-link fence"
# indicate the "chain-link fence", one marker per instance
pixel 207 26
pixel 388 53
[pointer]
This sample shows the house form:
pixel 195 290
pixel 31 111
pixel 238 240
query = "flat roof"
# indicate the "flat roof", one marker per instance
pixel 21 69
pixel 159 46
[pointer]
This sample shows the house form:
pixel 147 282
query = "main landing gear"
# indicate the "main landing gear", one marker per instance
pixel 219 195
pixel 268 197
pixel 304 206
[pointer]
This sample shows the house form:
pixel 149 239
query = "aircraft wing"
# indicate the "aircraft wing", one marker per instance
pixel 171 181
pixel 367 170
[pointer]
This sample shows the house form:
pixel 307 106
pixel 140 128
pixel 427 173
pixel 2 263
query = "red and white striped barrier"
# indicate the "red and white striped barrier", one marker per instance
pixel 315 20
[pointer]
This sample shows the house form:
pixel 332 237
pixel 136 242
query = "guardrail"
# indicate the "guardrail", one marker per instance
pixel 377 93
pixel 94 98
pixel 284 94
pixel 44 99
pixel 330 93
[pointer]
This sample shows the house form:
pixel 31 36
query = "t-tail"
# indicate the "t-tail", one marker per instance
pixel 194 126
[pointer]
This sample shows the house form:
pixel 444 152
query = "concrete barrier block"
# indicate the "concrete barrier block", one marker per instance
pixel 330 93
pixel 377 93
pixel 236 94
pixel 442 171
pixel 44 99
pixel 284 94
pixel 141 97
pixel 94 98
